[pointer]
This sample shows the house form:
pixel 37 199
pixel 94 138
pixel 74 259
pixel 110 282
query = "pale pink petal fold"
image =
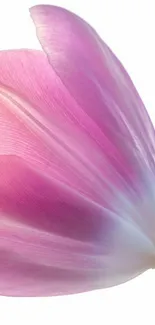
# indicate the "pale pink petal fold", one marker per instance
pixel 76 163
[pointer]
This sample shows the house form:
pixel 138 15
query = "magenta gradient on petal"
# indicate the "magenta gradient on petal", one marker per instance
pixel 100 86
pixel 76 164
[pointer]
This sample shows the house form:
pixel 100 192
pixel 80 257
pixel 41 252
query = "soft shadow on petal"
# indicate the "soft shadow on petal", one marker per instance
pixel 53 241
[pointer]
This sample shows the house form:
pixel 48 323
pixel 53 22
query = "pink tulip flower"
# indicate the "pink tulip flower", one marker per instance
pixel 77 165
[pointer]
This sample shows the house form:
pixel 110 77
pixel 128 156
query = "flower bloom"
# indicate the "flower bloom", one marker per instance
pixel 77 168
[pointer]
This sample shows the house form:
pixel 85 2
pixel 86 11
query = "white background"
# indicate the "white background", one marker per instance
pixel 128 26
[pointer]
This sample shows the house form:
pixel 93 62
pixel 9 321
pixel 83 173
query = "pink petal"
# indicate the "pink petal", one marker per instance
pixel 77 171
pixel 99 85
pixel 107 107
pixel 106 102
pixel 50 240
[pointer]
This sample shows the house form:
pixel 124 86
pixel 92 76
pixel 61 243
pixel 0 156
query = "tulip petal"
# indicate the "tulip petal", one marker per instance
pixel 99 84
pixel 76 185
pixel 53 241
pixel 107 107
